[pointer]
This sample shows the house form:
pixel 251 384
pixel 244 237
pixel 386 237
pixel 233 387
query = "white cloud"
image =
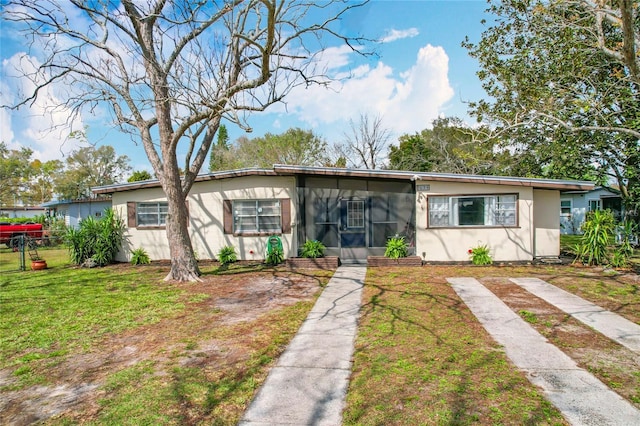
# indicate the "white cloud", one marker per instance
pixel 43 125
pixel 407 101
pixel 393 35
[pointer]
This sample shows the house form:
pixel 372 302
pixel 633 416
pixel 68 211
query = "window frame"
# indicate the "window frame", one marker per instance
pixel 254 210
pixel 229 217
pixel 160 224
pixel 451 213
pixel 570 201
pixel 598 203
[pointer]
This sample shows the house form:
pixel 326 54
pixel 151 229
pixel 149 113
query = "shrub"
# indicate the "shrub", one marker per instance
pixel 275 256
pixel 313 249
pixel 227 255
pixel 598 231
pixel 480 255
pixel 624 249
pixel 139 256
pixel 99 240
pixel 396 248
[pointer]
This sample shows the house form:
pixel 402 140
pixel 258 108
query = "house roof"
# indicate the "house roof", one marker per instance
pixel 287 170
pixel 55 203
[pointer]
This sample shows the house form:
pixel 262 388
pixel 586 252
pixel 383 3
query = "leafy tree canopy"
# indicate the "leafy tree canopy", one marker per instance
pixel 448 147
pixel 90 166
pixel 15 172
pixel 295 147
pixel 563 83
pixel 139 175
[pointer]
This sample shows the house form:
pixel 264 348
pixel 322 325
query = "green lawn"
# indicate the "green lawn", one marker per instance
pixel 422 358
pixel 69 320
pixel 64 309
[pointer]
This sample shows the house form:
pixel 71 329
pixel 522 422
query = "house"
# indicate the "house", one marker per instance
pixel 574 205
pixel 73 211
pixel 22 211
pixel 353 212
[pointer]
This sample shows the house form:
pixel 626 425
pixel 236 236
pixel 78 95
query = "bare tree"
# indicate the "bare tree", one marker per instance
pixel 365 146
pixel 170 70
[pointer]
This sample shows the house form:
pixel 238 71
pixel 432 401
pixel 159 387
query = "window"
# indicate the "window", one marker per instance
pixel 326 214
pixel 595 205
pixel 486 210
pixel 384 219
pixel 355 214
pixel 565 207
pixel 151 214
pixel 256 216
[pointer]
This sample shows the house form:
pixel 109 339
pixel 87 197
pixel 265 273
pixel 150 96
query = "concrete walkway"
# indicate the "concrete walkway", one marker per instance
pixel 611 325
pixel 309 384
pixel 581 397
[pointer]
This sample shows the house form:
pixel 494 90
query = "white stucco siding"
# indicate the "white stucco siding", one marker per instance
pixel 206 214
pixel 154 241
pixel 514 243
pixel 546 222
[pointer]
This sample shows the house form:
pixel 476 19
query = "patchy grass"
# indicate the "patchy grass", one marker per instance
pixel 422 358
pixel 123 347
pixel 610 362
pixel 568 243
pixel 56 257
pixel 64 309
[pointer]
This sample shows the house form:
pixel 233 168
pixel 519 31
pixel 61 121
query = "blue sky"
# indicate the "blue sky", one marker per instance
pixel 421 72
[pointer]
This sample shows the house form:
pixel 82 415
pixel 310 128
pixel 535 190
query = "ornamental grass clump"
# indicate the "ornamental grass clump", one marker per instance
pixel 597 234
pixel 480 255
pixel 396 248
pixel 312 249
pixel 624 249
pixel 97 241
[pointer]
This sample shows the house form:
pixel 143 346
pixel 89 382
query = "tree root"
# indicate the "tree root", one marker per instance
pixel 184 277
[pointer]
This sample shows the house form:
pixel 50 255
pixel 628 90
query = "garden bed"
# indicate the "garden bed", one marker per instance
pixel 328 262
pixel 374 261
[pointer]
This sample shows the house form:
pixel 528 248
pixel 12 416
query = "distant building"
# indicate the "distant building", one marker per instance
pixel 73 211
pixel 22 211
pixel 574 206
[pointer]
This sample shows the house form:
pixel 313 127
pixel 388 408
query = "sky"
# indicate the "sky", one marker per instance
pixel 420 72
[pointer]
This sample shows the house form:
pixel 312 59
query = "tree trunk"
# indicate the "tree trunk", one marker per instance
pixel 184 266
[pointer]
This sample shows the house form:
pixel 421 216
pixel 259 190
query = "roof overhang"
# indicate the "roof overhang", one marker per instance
pixel 286 170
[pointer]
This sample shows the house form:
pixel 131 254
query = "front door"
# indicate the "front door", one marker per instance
pixel 353 240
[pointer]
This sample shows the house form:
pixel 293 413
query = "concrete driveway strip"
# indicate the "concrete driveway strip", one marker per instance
pixel 611 325
pixel 580 397
pixel 309 383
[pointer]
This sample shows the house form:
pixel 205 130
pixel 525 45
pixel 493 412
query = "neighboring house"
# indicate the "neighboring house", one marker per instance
pixel 22 211
pixel 574 206
pixel 353 212
pixel 73 211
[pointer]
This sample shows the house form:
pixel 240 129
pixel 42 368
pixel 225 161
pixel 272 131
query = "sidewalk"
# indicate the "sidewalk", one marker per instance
pixel 581 397
pixel 309 383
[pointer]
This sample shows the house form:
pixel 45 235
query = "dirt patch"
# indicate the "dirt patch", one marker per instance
pixel 185 339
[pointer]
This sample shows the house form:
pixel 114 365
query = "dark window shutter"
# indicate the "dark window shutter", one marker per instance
pixel 227 216
pixel 131 214
pixel 285 213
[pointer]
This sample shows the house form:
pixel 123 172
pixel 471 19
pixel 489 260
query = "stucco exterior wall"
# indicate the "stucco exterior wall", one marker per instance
pixel 206 214
pixel 546 222
pixel 451 244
